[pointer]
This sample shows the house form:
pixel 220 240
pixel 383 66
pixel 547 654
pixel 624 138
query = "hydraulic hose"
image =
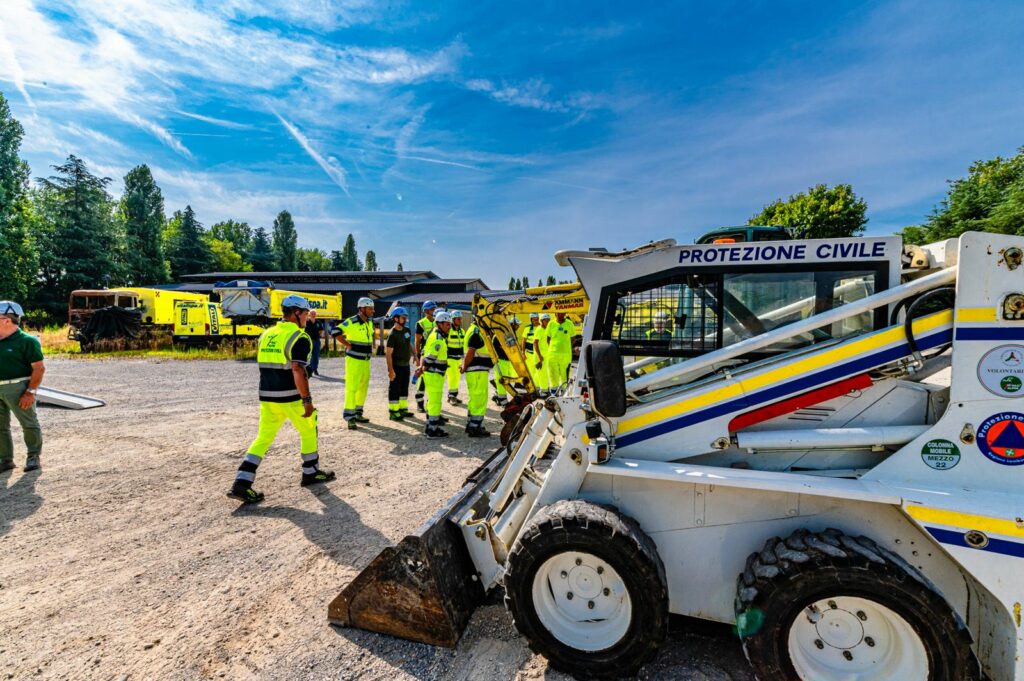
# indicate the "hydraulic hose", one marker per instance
pixel 912 307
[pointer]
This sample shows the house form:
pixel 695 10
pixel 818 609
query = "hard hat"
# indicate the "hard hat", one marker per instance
pixel 534 315
pixel 11 307
pixel 661 317
pixel 429 305
pixel 455 314
pixel 399 312
pixel 364 302
pixel 545 316
pixel 293 301
pixel 442 317
pixel 514 320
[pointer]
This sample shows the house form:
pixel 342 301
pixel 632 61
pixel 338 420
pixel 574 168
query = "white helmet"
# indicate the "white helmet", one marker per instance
pixel 455 314
pixel 545 316
pixel 364 302
pixel 295 301
pixel 514 320
pixel 442 317
pixel 661 317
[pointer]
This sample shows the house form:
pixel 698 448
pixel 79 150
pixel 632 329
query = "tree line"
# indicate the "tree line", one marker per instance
pixel 66 232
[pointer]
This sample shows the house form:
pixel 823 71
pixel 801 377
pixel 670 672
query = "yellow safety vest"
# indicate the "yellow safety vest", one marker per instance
pixel 435 353
pixel 456 342
pixel 360 335
pixel 274 358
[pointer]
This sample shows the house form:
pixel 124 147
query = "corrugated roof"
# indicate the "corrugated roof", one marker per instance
pixel 374 277
pixel 442 297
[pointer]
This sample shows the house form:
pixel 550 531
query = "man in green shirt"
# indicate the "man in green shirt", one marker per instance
pixel 21 372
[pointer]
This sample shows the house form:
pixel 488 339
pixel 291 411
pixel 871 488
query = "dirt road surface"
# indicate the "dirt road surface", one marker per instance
pixel 123 559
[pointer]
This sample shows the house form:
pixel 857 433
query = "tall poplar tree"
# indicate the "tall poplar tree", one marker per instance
pixel 189 253
pixel 286 241
pixel 262 255
pixel 142 212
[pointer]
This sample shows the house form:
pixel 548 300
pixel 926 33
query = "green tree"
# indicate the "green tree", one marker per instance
pixel 285 241
pixel 349 260
pixel 551 280
pixel 224 257
pixel 81 233
pixel 989 199
pixel 371 262
pixel 819 213
pixel 262 254
pixel 399 268
pixel 312 260
pixel 525 283
pixel 189 253
pixel 142 213
pixel 238 233
pixel 20 256
pixel 512 284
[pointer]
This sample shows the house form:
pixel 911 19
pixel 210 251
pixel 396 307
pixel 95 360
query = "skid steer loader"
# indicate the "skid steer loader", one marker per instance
pixel 829 455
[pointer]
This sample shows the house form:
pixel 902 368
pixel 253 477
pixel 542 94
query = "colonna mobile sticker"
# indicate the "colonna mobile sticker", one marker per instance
pixel 1001 438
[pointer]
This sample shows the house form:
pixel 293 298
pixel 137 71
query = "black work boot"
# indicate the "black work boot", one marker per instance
pixel 436 433
pixel 359 418
pixel 478 431
pixel 317 478
pixel 421 406
pixel 6 466
pixel 245 494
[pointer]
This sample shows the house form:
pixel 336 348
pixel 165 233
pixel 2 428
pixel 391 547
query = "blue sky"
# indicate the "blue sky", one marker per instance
pixel 475 139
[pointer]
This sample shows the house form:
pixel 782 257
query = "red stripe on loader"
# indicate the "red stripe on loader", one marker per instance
pixel 808 399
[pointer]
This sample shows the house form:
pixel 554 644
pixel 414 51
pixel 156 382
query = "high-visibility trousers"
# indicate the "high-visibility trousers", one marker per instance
pixel 540 373
pixel 357 382
pixel 500 367
pixel 558 369
pixel 454 375
pixel 272 417
pixel 435 386
pixel 476 386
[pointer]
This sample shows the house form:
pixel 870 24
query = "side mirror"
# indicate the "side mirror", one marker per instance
pixel 607 380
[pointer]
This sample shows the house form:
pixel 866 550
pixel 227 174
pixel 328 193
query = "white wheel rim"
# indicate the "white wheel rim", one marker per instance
pixel 582 601
pixel 855 639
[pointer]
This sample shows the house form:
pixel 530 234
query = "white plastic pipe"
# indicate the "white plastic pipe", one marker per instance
pixel 829 438
pixel 796 328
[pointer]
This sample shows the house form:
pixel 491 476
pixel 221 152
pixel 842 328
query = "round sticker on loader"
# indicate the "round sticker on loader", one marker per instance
pixel 1001 438
pixel 940 454
pixel 1001 370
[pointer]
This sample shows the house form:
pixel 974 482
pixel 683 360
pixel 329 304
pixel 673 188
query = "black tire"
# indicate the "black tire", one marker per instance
pixel 782 580
pixel 569 526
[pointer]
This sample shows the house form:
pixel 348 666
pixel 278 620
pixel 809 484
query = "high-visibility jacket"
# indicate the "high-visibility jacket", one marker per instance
pixel 656 335
pixel 423 328
pixel 540 335
pixel 435 352
pixel 360 334
pixel 527 335
pixel 277 351
pixel 560 338
pixel 482 360
pixel 456 342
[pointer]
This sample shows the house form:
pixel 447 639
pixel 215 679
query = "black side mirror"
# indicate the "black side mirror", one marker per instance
pixel 607 380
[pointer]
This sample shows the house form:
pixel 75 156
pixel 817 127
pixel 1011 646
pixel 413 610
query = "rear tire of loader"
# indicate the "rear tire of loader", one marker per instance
pixel 587 589
pixel 827 605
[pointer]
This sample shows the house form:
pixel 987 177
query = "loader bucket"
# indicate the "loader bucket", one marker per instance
pixel 426 588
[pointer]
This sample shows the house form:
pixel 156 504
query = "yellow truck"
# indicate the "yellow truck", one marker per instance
pixel 258 302
pixel 197 323
pixel 130 314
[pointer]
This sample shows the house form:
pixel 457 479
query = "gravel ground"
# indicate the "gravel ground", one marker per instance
pixel 123 559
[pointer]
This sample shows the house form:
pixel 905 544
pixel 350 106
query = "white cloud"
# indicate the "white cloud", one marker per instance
pixel 329 165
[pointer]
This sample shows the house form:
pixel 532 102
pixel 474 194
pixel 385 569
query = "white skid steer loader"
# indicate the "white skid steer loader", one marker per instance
pixel 823 446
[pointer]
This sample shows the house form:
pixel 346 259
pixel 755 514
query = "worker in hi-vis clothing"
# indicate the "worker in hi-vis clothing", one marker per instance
pixel 527 336
pixel 356 334
pixel 560 334
pixel 456 345
pixel 503 367
pixel 540 351
pixel 283 358
pixel 476 365
pixel 433 367
pixel 423 328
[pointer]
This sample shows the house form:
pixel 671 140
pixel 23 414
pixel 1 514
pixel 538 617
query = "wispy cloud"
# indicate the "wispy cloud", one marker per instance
pixel 233 125
pixel 329 165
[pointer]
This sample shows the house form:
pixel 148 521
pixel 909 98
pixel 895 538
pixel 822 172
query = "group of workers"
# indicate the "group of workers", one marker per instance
pixel 436 354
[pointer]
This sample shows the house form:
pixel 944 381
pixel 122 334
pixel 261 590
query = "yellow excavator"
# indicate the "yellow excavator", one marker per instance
pixel 494 317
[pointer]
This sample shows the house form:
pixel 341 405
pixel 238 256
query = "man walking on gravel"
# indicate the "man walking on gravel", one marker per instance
pixel 283 355
pixel 21 372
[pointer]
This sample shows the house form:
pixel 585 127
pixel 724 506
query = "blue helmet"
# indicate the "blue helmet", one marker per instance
pixel 429 305
pixel 399 312
pixel 295 301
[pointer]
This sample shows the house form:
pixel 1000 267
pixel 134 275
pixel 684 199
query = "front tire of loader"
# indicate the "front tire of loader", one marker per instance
pixel 827 605
pixel 587 590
